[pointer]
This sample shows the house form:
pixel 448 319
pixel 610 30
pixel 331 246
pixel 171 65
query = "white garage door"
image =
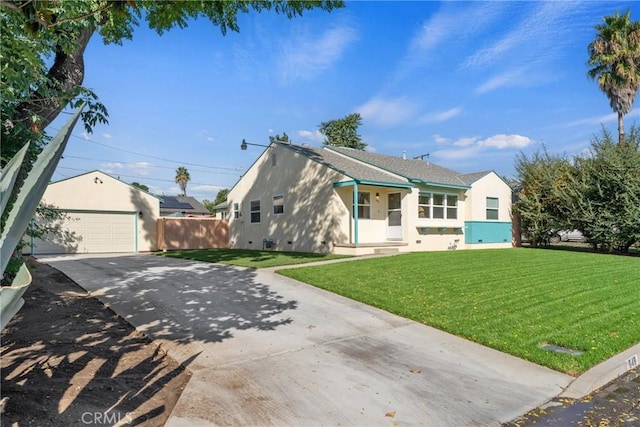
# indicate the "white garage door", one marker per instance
pixel 91 232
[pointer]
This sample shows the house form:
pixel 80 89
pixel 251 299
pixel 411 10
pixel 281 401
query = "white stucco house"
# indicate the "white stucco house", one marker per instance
pixel 341 200
pixel 102 215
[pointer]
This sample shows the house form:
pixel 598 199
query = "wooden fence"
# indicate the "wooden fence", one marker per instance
pixel 192 233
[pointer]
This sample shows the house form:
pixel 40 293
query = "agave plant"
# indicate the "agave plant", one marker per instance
pixel 22 210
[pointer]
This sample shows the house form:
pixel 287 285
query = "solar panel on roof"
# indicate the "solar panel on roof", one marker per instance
pixel 173 203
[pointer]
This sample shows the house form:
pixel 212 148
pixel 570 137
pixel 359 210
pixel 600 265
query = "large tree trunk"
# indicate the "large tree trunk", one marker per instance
pixel 620 129
pixel 65 75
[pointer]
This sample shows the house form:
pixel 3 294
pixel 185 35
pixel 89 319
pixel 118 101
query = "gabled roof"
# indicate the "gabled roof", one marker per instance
pixel 470 178
pixel 104 175
pixel 413 169
pixel 357 171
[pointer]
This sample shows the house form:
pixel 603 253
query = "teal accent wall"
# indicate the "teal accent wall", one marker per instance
pixel 487 232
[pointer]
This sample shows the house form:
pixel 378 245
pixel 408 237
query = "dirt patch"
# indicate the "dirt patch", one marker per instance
pixel 67 360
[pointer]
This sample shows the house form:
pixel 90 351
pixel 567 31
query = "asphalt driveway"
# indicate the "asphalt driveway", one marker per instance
pixel 267 350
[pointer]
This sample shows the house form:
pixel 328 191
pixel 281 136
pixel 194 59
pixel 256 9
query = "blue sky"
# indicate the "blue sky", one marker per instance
pixel 470 83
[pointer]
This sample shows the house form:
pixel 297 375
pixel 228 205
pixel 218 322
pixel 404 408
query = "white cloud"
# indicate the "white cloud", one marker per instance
pixel 304 57
pixel 106 135
pixel 110 166
pixel 85 135
pixel 465 142
pixel 502 141
pixel 139 168
pixel 454 23
pixel 387 112
pixel 539 37
pixel 607 118
pixel 457 154
pixel 205 189
pixel 441 116
pixel 312 135
pixel 509 78
pixel 469 147
pixel 440 139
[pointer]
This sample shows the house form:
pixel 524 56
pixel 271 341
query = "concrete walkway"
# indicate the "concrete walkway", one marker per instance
pixel 267 350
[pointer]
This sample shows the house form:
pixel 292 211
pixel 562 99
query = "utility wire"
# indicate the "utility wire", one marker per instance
pixel 237 169
pixel 149 165
pixel 147 179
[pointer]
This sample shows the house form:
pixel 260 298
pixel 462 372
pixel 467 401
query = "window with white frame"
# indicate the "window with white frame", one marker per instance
pixel 437 206
pixel 452 206
pixel 278 204
pixel 255 211
pixel 364 205
pixel 424 205
pixel 236 210
pixel 493 205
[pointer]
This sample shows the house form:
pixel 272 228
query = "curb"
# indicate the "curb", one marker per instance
pixel 603 373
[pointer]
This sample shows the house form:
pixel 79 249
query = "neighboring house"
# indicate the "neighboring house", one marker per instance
pixel 221 210
pixel 102 215
pixel 182 206
pixel 301 198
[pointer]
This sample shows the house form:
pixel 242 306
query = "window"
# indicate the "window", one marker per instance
pixel 424 205
pixel 278 204
pixel 364 205
pixel 492 208
pixel 452 206
pixel 255 211
pixel 437 206
pixel 236 210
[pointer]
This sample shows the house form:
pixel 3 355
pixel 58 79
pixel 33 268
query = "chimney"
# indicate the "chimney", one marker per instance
pixel 404 155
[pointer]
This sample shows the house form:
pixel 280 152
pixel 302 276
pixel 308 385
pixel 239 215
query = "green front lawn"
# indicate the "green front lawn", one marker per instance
pixel 250 258
pixel 513 300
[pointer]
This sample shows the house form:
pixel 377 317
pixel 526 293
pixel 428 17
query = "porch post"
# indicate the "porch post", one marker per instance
pixel 355 213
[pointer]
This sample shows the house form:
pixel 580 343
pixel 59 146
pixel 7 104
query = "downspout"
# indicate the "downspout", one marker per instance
pixel 355 213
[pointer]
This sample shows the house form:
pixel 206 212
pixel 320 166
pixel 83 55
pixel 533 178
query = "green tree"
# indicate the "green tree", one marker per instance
pixel 182 178
pixel 43 45
pixel 614 56
pixel 603 198
pixel 278 138
pixel 220 197
pixel 140 186
pixel 343 132
pixel 541 179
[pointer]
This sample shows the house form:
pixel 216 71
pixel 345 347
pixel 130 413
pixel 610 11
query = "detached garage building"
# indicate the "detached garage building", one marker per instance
pixel 102 215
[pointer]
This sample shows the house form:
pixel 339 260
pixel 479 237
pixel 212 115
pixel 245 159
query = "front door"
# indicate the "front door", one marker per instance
pixel 394 216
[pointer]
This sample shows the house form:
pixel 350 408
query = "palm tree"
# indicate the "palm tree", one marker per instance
pixel 182 177
pixel 615 58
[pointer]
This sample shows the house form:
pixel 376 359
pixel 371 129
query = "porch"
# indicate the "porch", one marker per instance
pixel 390 247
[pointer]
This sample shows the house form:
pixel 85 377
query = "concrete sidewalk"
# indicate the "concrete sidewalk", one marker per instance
pixel 267 350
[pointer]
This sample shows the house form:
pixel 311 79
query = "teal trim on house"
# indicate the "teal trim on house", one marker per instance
pixel 355 205
pixel 344 184
pixel 435 184
pixel 372 183
pixel 355 213
pixel 478 232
